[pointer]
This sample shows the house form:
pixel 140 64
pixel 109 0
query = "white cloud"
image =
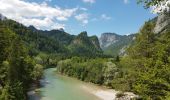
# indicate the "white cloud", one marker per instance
pixel 83 9
pixel 165 5
pixel 83 18
pixel 89 1
pixel 126 1
pixel 45 23
pixel 31 13
pixel 105 17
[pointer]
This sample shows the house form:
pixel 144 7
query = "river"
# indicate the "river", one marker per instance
pixel 59 87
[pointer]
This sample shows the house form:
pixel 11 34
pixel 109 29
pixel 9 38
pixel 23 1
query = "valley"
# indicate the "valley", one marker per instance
pixel 42 61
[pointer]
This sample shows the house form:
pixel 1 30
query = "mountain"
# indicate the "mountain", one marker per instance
pixel 82 44
pixel 95 42
pixel 2 17
pixel 59 35
pixel 114 44
pixel 53 41
pixel 31 27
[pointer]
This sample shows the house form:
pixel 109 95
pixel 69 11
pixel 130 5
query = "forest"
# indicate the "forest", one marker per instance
pixel 144 71
pixel 26 52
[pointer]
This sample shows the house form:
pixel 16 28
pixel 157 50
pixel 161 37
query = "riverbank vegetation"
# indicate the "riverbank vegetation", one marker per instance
pixel 99 70
pixel 17 69
pixel 144 70
pixel 26 51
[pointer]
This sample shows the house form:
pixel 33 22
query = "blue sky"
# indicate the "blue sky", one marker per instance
pixel 94 16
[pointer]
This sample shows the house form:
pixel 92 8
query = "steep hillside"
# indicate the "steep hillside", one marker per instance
pixel 148 61
pixel 34 40
pixel 84 45
pixel 53 41
pixel 59 35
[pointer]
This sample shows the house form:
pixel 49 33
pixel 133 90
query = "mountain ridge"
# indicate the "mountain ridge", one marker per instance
pixel 53 41
pixel 114 44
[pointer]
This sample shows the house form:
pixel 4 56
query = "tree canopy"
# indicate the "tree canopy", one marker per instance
pixel 149 3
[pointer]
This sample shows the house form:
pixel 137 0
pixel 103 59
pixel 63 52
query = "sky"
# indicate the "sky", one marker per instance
pixel 74 16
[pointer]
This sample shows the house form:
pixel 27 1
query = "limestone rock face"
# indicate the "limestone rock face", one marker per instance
pixel 107 39
pixel 162 23
pixel 115 44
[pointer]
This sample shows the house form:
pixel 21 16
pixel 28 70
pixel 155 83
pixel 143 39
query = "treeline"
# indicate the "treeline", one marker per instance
pixel 99 70
pixel 17 69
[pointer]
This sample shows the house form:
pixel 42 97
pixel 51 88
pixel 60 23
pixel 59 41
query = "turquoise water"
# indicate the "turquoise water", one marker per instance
pixel 58 87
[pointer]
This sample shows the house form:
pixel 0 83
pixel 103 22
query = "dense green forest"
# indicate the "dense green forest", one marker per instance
pixel 17 69
pixel 98 70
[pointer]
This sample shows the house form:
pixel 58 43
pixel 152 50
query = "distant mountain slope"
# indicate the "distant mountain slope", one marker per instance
pixel 82 44
pixel 34 40
pixel 53 41
pixel 2 17
pixel 76 44
pixel 114 44
pixel 59 35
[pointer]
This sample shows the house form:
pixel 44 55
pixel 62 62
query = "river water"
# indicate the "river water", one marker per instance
pixel 59 87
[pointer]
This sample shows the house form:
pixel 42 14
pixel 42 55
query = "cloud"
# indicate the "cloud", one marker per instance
pixel 39 15
pixel 83 18
pixel 101 17
pixel 105 17
pixel 83 9
pixel 45 23
pixel 89 1
pixel 126 1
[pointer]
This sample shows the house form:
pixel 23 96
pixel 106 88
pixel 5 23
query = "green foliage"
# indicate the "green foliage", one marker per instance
pixel 98 70
pixel 16 66
pixel 24 51
pixel 34 40
pixel 110 72
pixel 54 42
pixel 146 68
pixel 13 91
pixel 149 3
pixel 37 72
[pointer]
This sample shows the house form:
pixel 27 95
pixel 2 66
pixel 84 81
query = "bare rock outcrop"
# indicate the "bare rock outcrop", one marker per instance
pixel 162 23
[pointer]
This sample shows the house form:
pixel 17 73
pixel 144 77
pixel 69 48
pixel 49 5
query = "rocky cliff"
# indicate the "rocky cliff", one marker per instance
pixel 115 44
pixel 162 23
